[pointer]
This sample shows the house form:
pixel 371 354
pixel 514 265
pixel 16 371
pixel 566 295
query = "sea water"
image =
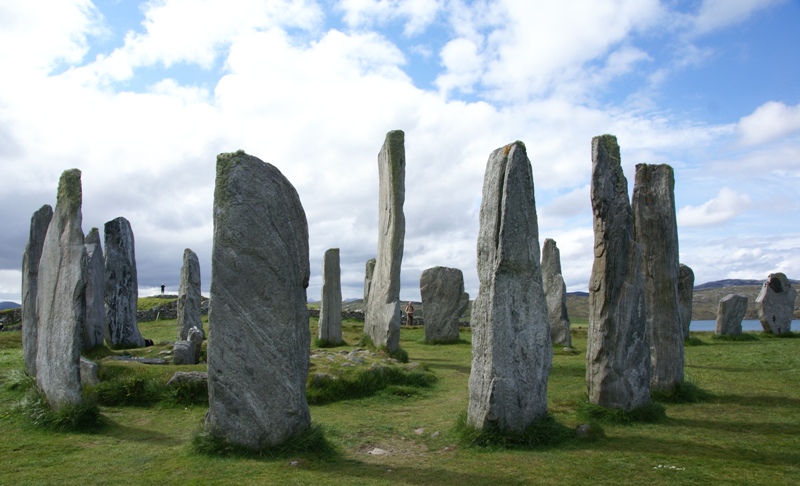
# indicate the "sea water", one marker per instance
pixel 747 325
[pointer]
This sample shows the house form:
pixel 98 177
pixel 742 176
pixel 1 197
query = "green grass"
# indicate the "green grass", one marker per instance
pixel 746 432
pixel 147 303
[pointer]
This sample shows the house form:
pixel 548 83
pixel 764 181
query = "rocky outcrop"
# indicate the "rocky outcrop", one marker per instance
pixel 511 348
pixel 330 320
pixel 444 299
pixel 731 312
pixel 382 307
pixel 94 323
pixel 617 350
pixel 656 232
pixel 122 286
pixel 30 284
pixel 61 297
pixel 775 304
pixel 259 338
pixel 555 292
pixel 189 298
pixel 685 296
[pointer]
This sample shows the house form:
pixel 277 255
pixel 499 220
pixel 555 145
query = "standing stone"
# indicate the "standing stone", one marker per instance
pixel 369 271
pixel 94 323
pixel 656 231
pixel 195 336
pixel 731 311
pixel 511 348
pixel 30 278
pixel 685 295
pixel 189 297
pixel 61 297
pixel 555 292
pixel 775 304
pixel 444 300
pixel 382 311
pixel 122 286
pixel 330 308
pixel 259 339
pixel 183 353
pixel 617 351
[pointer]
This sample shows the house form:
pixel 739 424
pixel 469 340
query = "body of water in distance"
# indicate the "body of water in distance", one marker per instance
pixel 747 325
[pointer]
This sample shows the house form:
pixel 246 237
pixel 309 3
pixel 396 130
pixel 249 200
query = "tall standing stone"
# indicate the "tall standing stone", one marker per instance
pixel 685 295
pixel 95 323
pixel 730 313
pixel 189 297
pixel 444 300
pixel 555 292
pixel 122 286
pixel 259 339
pixel 330 308
pixel 617 351
pixel 30 278
pixel 511 348
pixel 382 309
pixel 61 297
pixel 656 231
pixel 369 271
pixel 775 304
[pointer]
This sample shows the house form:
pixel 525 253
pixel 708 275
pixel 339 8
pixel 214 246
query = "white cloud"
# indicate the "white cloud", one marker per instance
pixel 418 14
pixel 716 14
pixel 726 205
pixel 11 285
pixel 769 122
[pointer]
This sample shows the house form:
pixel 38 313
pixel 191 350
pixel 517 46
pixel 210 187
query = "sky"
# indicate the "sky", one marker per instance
pixel 142 96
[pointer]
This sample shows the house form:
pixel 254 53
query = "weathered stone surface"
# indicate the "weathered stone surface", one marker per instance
pixel 189 297
pixel 183 353
pixel 259 339
pixel 685 295
pixel 60 299
pixel 30 278
pixel 656 232
pixel 731 311
pixel 775 304
pixel 89 372
pixel 122 285
pixel 511 348
pixel 382 309
pixel 444 301
pixel 617 350
pixel 94 323
pixel 185 377
pixel 330 307
pixel 369 271
pixel 195 336
pixel 555 292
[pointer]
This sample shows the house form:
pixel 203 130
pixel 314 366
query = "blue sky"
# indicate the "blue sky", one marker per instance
pixel 142 96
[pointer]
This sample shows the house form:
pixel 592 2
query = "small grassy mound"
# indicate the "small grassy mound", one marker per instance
pixel 652 412
pixel 82 417
pixel 693 341
pixel 311 442
pixel 351 383
pixel 546 432
pixel 747 336
pixel 786 335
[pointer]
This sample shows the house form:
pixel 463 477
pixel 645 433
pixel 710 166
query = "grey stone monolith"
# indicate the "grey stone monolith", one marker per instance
pixel 259 340
pixel 656 231
pixel 555 292
pixel 382 309
pixel 511 348
pixel 189 297
pixel 330 307
pixel 368 273
pixel 617 349
pixel 183 353
pixel 195 336
pixel 95 322
pixel 775 304
pixel 122 286
pixel 685 296
pixel 89 372
pixel 30 278
pixel 444 301
pixel 730 313
pixel 61 297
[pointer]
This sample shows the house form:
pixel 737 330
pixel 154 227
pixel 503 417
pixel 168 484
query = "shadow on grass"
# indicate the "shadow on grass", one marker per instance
pixel 133 434
pixel 685 392
pixel 546 432
pixel 650 413
pixel 311 444
pixel 760 428
pixel 760 401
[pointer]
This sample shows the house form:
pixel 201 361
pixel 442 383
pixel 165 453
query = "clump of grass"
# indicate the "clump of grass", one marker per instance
pixel 652 412
pixel 310 442
pixel 364 341
pixel 748 336
pixel 18 380
pixel 323 343
pixel 400 354
pixel 141 391
pixel 81 417
pixel 785 335
pixel 188 393
pixel 357 383
pixel 685 392
pixel 693 341
pixel 546 432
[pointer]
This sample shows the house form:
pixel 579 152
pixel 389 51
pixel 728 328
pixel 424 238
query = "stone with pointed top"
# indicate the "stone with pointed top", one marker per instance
pixel 189 297
pixel 30 278
pixel 122 286
pixel 730 313
pixel 685 295
pixel 555 291
pixel 94 324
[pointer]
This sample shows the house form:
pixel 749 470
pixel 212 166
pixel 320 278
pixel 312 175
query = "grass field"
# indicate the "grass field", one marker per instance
pixel 747 432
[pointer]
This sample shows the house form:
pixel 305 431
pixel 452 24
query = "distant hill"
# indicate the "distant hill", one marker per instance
pixel 734 282
pixel 8 305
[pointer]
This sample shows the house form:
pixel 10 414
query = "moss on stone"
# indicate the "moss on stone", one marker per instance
pixel 226 162
pixel 69 190
pixel 396 153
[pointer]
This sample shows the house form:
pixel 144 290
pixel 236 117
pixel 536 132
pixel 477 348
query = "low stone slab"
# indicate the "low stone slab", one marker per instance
pixel 136 359
pixel 185 377
pixel 183 353
pixel 731 311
